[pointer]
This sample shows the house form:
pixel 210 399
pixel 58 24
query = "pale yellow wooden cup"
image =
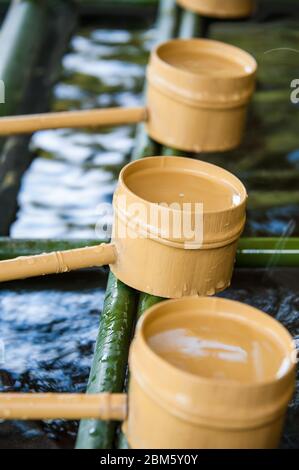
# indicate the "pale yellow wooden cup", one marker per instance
pixel 208 373
pixel 174 264
pixel 220 8
pixel 177 222
pixel 205 373
pixel 198 92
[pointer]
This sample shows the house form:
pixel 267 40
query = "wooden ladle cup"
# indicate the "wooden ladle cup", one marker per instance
pixel 176 226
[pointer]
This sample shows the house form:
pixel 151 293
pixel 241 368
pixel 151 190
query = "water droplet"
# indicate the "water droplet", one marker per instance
pixel 220 285
pixel 211 291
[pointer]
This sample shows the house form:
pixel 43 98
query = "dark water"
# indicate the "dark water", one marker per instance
pixel 49 330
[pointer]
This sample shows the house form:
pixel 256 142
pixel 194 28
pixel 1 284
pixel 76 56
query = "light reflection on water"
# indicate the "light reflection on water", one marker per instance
pixel 76 170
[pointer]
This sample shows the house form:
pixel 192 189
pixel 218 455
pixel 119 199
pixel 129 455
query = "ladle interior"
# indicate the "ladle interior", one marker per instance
pixel 206 58
pixel 217 347
pixel 164 185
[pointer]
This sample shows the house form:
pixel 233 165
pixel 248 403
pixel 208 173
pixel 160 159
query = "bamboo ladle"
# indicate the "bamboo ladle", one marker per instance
pixel 176 226
pixel 194 373
pixel 198 91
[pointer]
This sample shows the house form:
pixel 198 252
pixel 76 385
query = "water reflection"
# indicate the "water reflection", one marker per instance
pixel 76 170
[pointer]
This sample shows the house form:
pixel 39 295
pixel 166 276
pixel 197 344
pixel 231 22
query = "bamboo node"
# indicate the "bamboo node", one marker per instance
pixel 62 267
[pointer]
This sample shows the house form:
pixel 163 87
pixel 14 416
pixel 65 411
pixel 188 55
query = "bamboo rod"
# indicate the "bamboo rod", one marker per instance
pixel 268 199
pixel 34 406
pixel 109 363
pixel 87 118
pixel 57 262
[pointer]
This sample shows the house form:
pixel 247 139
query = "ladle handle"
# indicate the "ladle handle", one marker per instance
pixel 35 406
pixel 87 118
pixel 57 262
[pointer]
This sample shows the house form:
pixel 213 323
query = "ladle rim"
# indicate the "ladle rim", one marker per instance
pixel 236 52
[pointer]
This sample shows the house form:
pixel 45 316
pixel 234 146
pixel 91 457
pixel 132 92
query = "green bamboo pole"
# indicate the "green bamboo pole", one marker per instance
pixel 252 252
pixel 20 40
pixel 263 252
pixel 104 434
pixel 167 21
pixel 14 247
pixel 110 359
pixel 145 302
pixel 190 25
pixel 268 199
